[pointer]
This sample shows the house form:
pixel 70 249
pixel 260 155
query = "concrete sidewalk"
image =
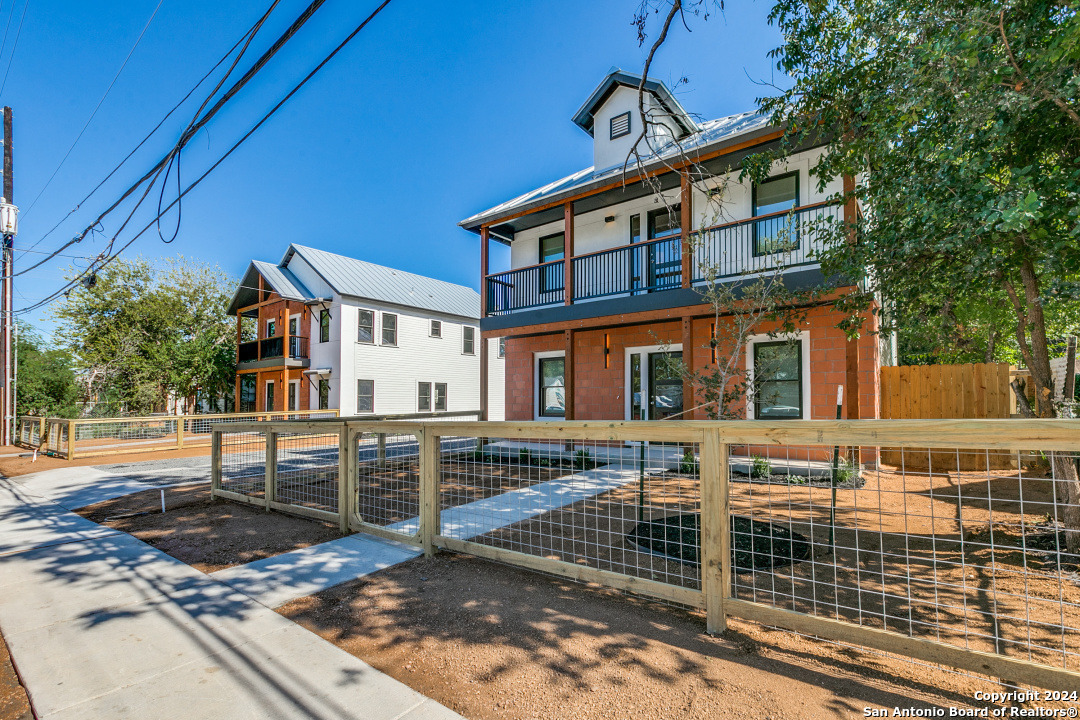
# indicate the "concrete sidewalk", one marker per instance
pixel 102 625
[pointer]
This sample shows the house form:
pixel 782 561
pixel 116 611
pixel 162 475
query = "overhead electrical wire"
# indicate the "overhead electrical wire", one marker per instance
pixel 105 260
pixel 14 47
pixel 96 108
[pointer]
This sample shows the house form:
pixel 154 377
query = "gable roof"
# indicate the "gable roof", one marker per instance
pixel 357 278
pixel 583 118
pixel 712 134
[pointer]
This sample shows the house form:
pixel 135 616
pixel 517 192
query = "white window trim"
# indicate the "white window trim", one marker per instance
pixel 626 368
pixel 269 322
pixel 537 357
pixel 266 388
pixel 374 326
pixel 430 328
pixel 804 339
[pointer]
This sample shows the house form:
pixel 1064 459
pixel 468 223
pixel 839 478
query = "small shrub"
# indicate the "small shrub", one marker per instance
pixel 544 462
pixel 845 472
pixel 797 480
pixel 525 456
pixel 760 467
pixel 688 465
pixel 583 460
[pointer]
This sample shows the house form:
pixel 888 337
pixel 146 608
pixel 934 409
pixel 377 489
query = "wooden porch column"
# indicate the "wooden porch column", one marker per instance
pixel 688 361
pixel 285 353
pixel 685 221
pixel 483 375
pixel 568 374
pixel 483 271
pixel 568 252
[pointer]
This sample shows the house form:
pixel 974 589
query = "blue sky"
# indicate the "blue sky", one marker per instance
pixel 436 111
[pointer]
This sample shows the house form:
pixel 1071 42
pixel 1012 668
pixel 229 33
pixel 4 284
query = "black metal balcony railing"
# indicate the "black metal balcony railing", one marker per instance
pixel 756 245
pixel 273 348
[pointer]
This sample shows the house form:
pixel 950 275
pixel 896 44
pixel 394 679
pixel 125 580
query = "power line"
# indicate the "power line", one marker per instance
pixel 150 134
pixel 14 46
pixel 96 107
pixel 104 261
pixel 193 128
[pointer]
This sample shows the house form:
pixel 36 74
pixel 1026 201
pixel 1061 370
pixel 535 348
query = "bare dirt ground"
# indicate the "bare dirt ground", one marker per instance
pixel 14 704
pixel 205 534
pixel 19 465
pixel 494 642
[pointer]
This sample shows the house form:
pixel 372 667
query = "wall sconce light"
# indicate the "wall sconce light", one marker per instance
pixel 609 219
pixel 607 351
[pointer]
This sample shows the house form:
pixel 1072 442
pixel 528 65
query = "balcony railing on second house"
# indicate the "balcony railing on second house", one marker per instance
pixel 273 348
pixel 762 244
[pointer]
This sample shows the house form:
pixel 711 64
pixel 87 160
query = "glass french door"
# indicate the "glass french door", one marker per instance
pixel 656 385
pixel 294 394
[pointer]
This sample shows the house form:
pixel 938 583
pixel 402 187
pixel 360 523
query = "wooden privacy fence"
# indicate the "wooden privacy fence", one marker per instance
pixel 964 569
pixel 94 437
pixel 932 392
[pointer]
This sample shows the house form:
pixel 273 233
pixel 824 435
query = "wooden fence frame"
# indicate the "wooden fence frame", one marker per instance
pixel 714 438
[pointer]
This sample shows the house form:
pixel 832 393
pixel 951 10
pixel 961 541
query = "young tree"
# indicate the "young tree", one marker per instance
pixel 46 377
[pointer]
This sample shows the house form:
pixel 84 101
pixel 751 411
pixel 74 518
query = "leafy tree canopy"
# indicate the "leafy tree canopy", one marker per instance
pixel 46 377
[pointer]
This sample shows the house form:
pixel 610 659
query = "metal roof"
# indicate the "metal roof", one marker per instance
pixel 357 278
pixel 712 133
pixel 583 118
pixel 281 280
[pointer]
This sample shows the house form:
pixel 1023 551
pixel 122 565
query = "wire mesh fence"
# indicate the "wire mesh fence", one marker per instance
pixel 30 431
pixel 800 526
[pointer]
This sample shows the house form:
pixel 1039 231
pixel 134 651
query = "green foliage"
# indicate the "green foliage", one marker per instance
pixel 845 473
pixel 525 456
pixel 963 118
pixel 46 377
pixel 143 332
pixel 583 460
pixel 760 467
pixel 688 465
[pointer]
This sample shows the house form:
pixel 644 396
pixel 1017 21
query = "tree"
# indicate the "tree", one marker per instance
pixel 143 333
pixel 46 377
pixel 963 119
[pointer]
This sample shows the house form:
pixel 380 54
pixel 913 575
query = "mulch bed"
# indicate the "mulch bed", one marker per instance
pixel 755 545
pixel 205 534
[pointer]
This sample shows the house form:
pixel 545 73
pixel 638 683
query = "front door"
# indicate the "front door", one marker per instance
pixel 294 394
pixel 269 396
pixel 655 382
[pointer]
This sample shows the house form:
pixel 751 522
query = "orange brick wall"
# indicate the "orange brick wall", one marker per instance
pixel 279 310
pixel 599 391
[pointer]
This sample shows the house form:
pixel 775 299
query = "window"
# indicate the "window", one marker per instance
pixel 778 380
pixel 271 328
pixel 269 396
pixel 324 394
pixel 423 397
pixel 365 396
pixel 552 248
pixel 468 340
pixel 389 329
pixel 365 330
pixel 775 195
pixel 551 376
pixel 436 329
pixel 248 392
pixel 440 396
pixel 324 325
pixel 620 125
pixel 294 325
pixel 502 347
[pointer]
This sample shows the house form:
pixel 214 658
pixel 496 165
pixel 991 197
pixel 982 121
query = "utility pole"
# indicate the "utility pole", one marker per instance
pixel 7 395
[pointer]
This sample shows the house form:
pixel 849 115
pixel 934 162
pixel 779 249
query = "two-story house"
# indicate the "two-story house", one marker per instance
pixel 606 279
pixel 328 331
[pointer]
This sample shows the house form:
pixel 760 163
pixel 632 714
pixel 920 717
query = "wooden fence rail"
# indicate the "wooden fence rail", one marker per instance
pixel 432 453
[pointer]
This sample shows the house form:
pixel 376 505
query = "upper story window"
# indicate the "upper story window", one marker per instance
pixel 665 222
pixel 468 340
pixel 436 329
pixel 271 328
pixel 324 325
pixel 389 329
pixel 502 347
pixel 778 378
pixel 776 195
pixel 552 248
pixel 365 331
pixel 620 125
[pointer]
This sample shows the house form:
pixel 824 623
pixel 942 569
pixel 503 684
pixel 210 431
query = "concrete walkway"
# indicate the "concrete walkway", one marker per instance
pixel 102 625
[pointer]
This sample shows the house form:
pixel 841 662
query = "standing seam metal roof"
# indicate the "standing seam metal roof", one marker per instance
pixel 357 278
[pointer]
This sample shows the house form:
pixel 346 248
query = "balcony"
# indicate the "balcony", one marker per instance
pixel 725 252
pixel 273 348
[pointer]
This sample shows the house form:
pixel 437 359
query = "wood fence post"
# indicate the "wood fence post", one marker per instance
pixel 715 530
pixel 429 487
pixel 180 432
pixel 270 479
pixel 71 440
pixel 380 451
pixel 346 471
pixel 215 463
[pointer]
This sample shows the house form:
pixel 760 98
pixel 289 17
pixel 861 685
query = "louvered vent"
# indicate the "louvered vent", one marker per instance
pixel 620 125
